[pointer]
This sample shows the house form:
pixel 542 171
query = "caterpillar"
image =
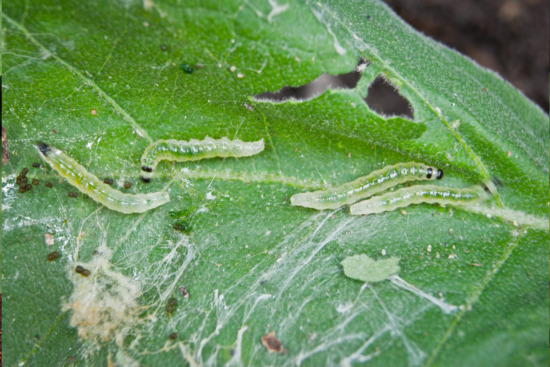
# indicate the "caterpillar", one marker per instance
pixel 366 186
pixel 92 186
pixel 429 194
pixel 193 150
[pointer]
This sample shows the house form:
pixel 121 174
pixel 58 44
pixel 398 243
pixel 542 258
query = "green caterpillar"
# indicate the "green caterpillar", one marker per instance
pixel 429 194
pixel 192 150
pixel 90 185
pixel 366 186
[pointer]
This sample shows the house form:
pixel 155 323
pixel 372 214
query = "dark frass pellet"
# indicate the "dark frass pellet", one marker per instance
pixel 53 256
pixel 21 190
pixel 171 305
pixel 36 165
pixel 127 185
pixel 173 336
pixel 184 292
pixel 72 194
pixel 182 226
pixel 108 181
pixel 35 181
pixel 24 171
pixel 186 68
pixel 82 271
pixel 48 184
pixel 28 187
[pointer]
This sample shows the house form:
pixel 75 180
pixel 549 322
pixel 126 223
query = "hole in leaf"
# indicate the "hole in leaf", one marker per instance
pixel 313 88
pixel 384 99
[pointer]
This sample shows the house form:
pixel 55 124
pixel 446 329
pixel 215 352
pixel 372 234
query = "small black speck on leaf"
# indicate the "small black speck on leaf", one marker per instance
pixel 35 181
pixel 48 184
pixel 36 165
pixel 72 194
pixel 127 185
pixel 173 336
pixel 184 292
pixel 82 271
pixel 182 226
pixel 186 68
pixel 171 305
pixel 53 256
pixel 108 181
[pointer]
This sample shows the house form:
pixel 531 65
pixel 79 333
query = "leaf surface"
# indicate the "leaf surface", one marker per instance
pixel 102 80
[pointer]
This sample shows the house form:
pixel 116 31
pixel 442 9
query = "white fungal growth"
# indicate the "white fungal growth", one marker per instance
pixel 103 304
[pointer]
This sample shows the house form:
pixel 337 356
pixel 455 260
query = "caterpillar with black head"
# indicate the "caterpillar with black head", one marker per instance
pixel 193 150
pixel 92 186
pixel 364 187
pixel 429 194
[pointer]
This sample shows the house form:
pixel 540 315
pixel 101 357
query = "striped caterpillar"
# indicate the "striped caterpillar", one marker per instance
pixel 90 185
pixel 192 150
pixel 429 194
pixel 366 186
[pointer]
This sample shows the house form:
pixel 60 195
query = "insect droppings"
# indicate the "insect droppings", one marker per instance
pixel 35 181
pixel 182 226
pixel 48 184
pixel 171 305
pixel 127 185
pixel 53 256
pixel 184 292
pixel 108 181
pixel 173 336
pixel 186 68
pixel 82 271
pixel 273 344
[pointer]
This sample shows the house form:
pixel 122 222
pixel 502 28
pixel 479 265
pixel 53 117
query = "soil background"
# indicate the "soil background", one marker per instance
pixel 510 37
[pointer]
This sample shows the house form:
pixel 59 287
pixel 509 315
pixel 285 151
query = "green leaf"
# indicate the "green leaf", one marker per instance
pixel 101 80
pixel 362 267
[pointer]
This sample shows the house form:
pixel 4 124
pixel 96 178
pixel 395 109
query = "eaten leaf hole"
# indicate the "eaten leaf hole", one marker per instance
pixel 313 88
pixel 385 100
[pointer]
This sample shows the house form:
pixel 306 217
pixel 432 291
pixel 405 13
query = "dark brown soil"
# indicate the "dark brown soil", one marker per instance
pixel 508 36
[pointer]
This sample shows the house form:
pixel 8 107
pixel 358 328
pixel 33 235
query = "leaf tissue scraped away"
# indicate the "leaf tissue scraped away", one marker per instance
pixel 193 150
pixel 362 267
pixel 92 186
